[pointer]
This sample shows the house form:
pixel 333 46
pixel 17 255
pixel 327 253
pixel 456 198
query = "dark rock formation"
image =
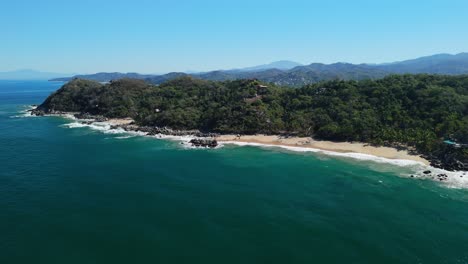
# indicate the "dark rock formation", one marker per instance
pixel 442 177
pixel 41 112
pixel 204 142
pixel 96 118
pixel 449 158
pixel 38 112
pixel 152 131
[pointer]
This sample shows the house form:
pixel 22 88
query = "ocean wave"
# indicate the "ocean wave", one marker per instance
pixel 106 128
pixel 354 155
pixel 99 126
pixel 454 179
pixel 25 112
pixel 123 137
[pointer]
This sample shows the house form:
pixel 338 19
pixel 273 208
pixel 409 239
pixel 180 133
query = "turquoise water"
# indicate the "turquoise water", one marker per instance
pixel 82 196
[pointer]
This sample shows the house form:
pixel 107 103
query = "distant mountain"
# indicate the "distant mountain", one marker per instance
pixel 213 75
pixel 28 75
pixel 158 79
pixel 280 65
pixel 436 64
pixel 317 72
pixel 105 76
pixel 290 74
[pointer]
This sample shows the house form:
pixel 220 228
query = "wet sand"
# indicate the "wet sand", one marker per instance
pixel 342 147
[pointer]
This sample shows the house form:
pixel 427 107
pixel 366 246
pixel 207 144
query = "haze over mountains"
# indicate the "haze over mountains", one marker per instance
pixel 280 65
pixel 294 74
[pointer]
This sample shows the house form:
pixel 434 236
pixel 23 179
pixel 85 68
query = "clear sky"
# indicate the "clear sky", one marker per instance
pixel 158 36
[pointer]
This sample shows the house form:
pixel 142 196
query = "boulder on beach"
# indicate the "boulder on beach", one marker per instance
pixel 198 142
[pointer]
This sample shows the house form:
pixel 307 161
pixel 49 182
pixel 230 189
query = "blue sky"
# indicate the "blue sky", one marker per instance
pixel 160 36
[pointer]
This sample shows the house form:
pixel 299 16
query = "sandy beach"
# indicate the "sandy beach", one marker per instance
pixel 342 147
pixel 307 142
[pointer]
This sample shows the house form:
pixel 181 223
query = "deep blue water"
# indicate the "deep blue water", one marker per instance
pixel 83 196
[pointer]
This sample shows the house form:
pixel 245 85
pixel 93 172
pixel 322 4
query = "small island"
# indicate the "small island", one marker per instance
pixel 424 115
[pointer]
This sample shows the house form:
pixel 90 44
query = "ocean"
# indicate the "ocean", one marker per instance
pixel 74 194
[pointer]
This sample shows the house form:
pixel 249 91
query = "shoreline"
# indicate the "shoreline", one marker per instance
pixel 358 148
pixel 422 169
pixel 308 143
pixel 327 146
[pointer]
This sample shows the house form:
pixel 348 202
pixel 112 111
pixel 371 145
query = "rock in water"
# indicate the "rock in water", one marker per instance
pixel 210 143
pixel 38 112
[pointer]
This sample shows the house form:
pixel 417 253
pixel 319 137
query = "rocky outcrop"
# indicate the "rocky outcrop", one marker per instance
pixel 449 158
pixel 152 131
pixel 38 112
pixel 88 116
pixel 42 112
pixel 204 142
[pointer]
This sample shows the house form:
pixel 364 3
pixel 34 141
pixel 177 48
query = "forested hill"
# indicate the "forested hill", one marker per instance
pixel 413 110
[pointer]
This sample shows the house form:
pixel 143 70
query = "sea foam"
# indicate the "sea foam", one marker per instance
pixel 455 179
pixel 26 112
pixel 354 155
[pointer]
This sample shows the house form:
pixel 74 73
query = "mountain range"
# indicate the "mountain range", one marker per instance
pixel 290 73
